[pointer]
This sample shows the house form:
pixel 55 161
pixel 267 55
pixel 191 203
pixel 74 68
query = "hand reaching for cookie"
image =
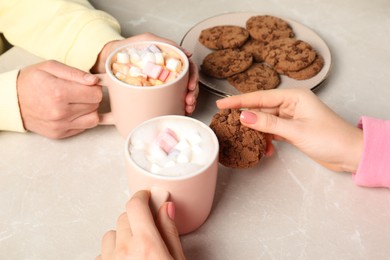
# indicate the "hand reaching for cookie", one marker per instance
pixel 298 116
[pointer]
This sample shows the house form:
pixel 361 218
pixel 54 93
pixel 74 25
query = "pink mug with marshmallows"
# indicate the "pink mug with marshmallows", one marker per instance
pixel 144 80
pixel 176 158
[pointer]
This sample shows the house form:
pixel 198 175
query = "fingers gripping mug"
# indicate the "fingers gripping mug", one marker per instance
pixel 144 80
pixel 176 158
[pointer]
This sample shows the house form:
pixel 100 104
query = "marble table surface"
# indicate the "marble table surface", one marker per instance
pixel 58 197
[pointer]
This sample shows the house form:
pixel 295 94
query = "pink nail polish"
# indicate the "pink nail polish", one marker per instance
pixel 171 210
pixel 248 117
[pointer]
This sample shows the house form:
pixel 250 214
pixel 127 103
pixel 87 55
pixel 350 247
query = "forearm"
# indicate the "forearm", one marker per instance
pixel 72 32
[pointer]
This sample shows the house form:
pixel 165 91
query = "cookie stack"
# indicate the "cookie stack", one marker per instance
pixel 254 57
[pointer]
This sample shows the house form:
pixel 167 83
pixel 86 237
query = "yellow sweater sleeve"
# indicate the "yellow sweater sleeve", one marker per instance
pixel 72 32
pixel 10 118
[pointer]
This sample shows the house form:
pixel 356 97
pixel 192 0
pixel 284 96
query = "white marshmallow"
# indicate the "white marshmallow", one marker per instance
pixel 172 156
pixel 123 57
pixel 136 72
pixel 135 57
pixel 184 156
pixel 173 64
pixel 196 149
pixel 170 163
pixel 147 57
pixel 183 145
pixel 157 153
pixel 194 138
pixel 159 58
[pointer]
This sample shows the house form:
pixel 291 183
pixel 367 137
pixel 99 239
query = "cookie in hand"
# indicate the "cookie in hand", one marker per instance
pixel 239 146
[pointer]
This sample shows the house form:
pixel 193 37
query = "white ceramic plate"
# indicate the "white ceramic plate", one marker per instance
pixel 222 87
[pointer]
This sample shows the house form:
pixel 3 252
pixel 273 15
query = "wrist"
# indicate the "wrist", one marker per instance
pixel 356 150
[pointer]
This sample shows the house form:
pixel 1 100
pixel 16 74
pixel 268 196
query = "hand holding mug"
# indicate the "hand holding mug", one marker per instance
pixel 139 236
pixel 144 80
pixel 176 158
pixel 192 86
pixel 56 100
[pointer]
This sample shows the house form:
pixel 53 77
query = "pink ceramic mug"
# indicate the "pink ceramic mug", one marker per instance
pixel 190 187
pixel 131 105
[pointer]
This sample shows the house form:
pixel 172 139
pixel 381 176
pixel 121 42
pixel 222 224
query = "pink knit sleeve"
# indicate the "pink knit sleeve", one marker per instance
pixel 374 168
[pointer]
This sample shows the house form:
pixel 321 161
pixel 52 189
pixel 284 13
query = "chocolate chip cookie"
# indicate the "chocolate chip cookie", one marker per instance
pixel 289 55
pixel 239 146
pixel 308 72
pixel 254 47
pixel 225 63
pixel 223 37
pixel 258 77
pixel 267 28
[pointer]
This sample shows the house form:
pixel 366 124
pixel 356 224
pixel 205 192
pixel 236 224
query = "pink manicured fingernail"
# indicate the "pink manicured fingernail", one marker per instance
pixel 248 117
pixel 171 210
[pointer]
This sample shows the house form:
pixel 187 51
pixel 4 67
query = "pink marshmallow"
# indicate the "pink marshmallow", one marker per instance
pixel 167 140
pixel 172 75
pixel 164 75
pixel 152 70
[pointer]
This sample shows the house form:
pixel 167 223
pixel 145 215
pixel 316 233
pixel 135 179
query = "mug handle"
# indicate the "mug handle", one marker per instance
pixel 157 198
pixel 105 118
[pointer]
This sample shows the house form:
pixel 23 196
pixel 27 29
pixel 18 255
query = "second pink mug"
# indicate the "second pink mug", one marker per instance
pixel 191 183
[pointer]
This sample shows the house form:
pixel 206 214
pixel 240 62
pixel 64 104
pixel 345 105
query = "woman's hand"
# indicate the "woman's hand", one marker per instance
pixel 299 117
pixel 139 236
